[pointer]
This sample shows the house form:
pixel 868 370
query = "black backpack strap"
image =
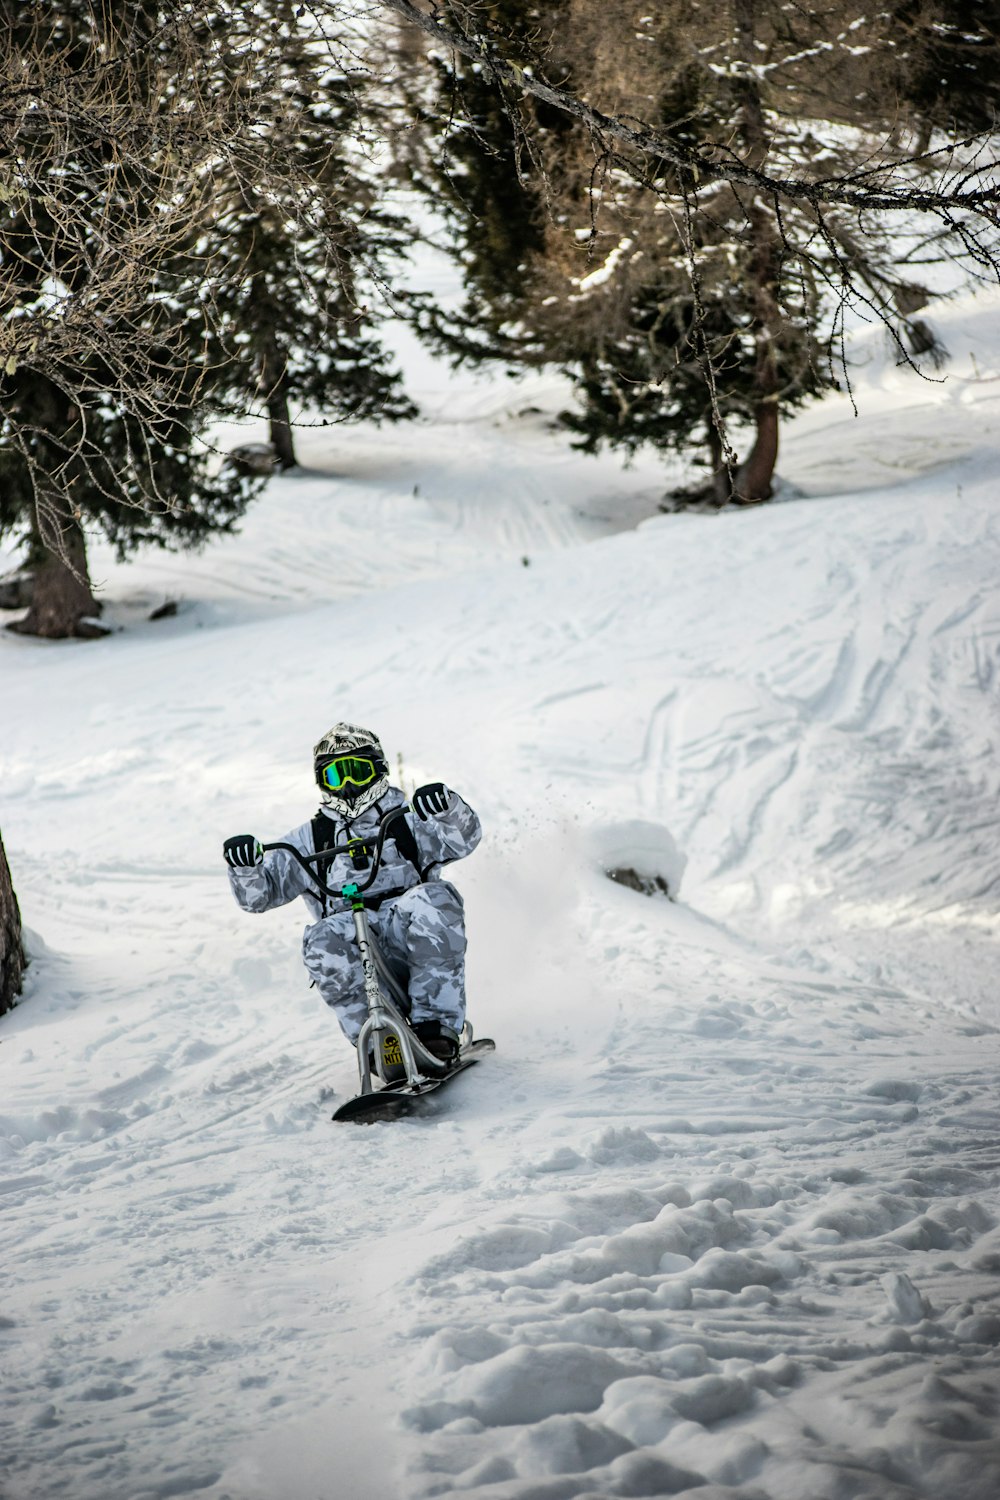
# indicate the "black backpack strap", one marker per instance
pixel 403 837
pixel 324 837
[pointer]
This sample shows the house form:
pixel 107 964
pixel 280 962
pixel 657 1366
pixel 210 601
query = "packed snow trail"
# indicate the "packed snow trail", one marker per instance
pixel 720 1215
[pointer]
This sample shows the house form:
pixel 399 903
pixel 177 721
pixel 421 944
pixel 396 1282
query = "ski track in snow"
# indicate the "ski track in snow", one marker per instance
pixel 720 1216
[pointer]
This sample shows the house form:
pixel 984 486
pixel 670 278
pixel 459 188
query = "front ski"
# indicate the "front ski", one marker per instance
pixel 394 1099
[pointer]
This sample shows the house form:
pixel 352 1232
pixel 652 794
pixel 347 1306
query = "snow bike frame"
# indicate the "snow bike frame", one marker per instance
pixel 387 1000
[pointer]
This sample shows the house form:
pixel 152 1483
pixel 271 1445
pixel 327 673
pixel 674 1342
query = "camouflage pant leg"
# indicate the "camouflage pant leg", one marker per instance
pixel 425 930
pixel 330 953
pixel 422 933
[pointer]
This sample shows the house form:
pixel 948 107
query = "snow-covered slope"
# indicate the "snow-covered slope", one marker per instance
pixel 720 1215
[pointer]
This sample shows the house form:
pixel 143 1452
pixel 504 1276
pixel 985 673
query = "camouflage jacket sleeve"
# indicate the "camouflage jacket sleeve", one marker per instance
pixel 278 880
pixel 446 836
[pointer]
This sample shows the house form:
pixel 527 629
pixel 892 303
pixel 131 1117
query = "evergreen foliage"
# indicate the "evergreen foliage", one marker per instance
pixel 182 237
pixel 293 255
pixel 953 75
pixel 687 303
pixel 477 156
pixel 104 404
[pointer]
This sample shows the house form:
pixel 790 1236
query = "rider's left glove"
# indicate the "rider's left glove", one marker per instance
pixel 432 798
pixel 242 851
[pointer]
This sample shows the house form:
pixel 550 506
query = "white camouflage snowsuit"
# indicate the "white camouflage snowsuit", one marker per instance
pixel 420 928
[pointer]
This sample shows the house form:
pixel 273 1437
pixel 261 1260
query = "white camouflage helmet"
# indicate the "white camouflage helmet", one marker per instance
pixel 350 739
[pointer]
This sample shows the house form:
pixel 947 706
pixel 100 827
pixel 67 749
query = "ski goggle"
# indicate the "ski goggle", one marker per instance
pixel 348 770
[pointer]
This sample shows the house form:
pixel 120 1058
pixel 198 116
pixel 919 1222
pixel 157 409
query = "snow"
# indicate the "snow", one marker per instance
pixel 720 1215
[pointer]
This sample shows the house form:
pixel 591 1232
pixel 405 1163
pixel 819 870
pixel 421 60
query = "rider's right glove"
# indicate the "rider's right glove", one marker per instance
pixel 242 851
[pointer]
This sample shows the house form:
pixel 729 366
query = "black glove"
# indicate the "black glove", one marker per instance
pixel 432 798
pixel 242 851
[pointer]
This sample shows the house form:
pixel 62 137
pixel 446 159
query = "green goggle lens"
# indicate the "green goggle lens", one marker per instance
pixel 355 770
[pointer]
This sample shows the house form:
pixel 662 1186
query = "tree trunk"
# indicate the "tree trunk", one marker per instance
pixel 11 950
pixel 281 428
pixel 62 604
pixel 274 384
pixel 721 483
pixel 753 479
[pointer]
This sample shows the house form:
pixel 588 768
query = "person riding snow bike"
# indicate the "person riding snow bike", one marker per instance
pixel 418 919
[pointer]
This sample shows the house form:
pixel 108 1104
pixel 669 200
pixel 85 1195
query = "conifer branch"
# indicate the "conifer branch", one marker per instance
pixel 879 188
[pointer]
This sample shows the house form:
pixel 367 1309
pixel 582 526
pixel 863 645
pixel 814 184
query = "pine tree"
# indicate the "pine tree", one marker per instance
pixel 115 365
pixel 477 155
pixel 952 73
pixel 686 300
pixel 307 249
pixel 164 234
pixel 681 321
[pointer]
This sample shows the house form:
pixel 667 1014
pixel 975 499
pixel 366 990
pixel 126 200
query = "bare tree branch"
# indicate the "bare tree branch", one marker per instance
pixel 135 141
pixel 878 188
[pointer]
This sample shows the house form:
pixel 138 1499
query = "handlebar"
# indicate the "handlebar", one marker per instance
pixel 308 860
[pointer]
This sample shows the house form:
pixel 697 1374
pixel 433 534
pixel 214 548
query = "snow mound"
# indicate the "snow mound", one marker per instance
pixel 640 855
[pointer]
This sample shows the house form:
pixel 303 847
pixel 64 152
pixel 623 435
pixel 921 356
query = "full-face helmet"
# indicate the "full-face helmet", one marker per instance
pixel 351 769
